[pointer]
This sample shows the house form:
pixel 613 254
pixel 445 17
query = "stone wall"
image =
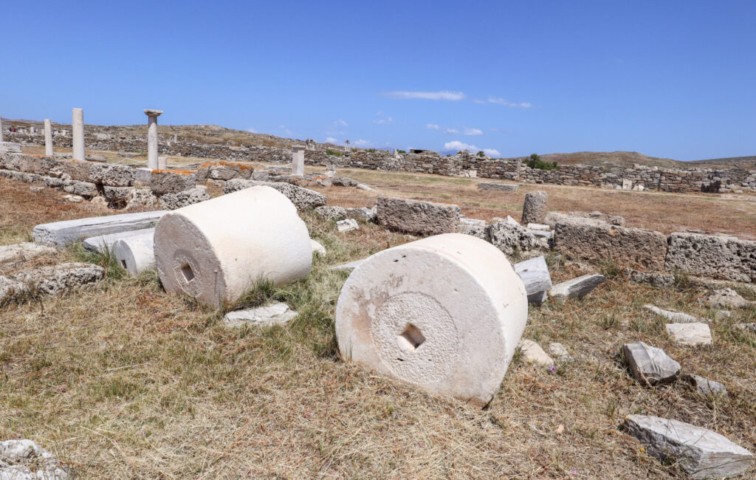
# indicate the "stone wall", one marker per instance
pixel 462 164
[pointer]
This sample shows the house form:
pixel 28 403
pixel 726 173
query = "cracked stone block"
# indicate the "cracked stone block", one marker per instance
pixel 650 365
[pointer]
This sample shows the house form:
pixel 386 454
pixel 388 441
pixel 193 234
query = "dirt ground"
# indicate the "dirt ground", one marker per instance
pixel 121 380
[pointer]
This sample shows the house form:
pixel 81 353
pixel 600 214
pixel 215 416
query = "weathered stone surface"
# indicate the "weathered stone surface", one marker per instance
pixel 303 198
pixel 331 213
pixel 344 182
pixel 650 365
pixel 364 213
pixel 55 279
pixel 275 314
pixel 658 280
pixel 317 248
pixel 509 238
pixel 476 231
pixel 118 194
pixel 104 243
pixel 533 353
pixel 166 181
pixel 502 187
pixel 677 317
pixel 21 252
pixel 539 227
pixel 136 253
pixel 535 207
pixel 82 189
pixel 689 334
pixel 700 452
pixel 70 231
pixel 25 460
pixel 111 175
pixel 173 201
pixel 630 247
pixel 347 225
pixel 558 351
pixel 705 386
pixel 727 298
pixel 727 258
pixel 77 170
pixel 416 217
pixel 9 289
pixel 536 277
pixel 576 288
pixel 583 218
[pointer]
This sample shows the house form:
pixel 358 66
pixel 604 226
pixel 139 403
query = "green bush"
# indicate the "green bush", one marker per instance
pixel 401 151
pixel 481 154
pixel 334 153
pixel 534 161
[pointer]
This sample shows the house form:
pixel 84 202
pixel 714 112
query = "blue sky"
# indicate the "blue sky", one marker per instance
pixel 670 79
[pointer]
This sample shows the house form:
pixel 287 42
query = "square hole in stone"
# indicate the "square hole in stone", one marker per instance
pixel 411 338
pixel 188 273
pixel 123 263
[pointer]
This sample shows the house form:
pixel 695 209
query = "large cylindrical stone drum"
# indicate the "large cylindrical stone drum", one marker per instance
pixel 535 208
pixel 216 250
pixel 444 313
pixel 137 253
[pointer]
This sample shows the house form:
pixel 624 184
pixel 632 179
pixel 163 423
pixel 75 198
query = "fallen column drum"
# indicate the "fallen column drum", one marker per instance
pixel 444 313
pixel 136 253
pixel 216 250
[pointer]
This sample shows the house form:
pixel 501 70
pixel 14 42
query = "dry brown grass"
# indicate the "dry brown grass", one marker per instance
pixel 122 380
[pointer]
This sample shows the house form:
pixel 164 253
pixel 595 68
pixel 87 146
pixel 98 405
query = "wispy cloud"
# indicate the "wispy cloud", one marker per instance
pixel 340 123
pixel 441 95
pixel 383 119
pixel 285 130
pixel 251 130
pixel 454 131
pixel 507 103
pixel 362 143
pixel 331 140
pixel 459 146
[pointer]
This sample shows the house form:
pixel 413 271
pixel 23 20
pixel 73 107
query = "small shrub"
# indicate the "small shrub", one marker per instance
pixel 481 154
pixel 401 151
pixel 334 153
pixel 534 161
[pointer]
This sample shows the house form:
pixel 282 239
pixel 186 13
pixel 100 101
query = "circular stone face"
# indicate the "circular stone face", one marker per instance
pixel 186 272
pixel 415 337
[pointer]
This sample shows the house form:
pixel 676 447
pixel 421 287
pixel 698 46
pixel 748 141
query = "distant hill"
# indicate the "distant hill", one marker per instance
pixel 608 159
pixel 749 163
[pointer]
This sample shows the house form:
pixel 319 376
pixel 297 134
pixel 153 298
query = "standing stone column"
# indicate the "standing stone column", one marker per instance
pixel 346 146
pixel 152 138
pixel 77 125
pixel 535 208
pixel 48 138
pixel 297 160
pixel 1 129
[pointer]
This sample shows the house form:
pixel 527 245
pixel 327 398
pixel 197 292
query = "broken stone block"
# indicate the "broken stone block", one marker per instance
pixel 112 175
pixel 705 386
pixel 539 227
pixel 700 452
pixel 535 207
pixel 722 314
pixel 303 198
pixel 10 289
pixel 558 351
pixel 630 247
pixel 136 253
pixel 22 252
pixel 82 189
pixel 536 278
pixel 727 298
pixel 58 278
pixel 444 313
pixel 650 365
pixel 331 213
pixel 416 217
pixel 502 187
pixel 25 460
pixel 658 280
pixel 347 225
pixel 104 243
pixel 364 213
pixel 713 256
pixel 576 288
pixel 174 201
pixel 118 195
pixel 533 353
pixel 171 181
pixel 317 248
pixel 70 231
pixel 689 334
pixel 275 314
pixel 216 250
pixel 677 317
pixel 348 267
pixel 511 238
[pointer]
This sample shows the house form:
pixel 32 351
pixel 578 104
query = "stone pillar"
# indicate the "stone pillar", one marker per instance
pixel 31 129
pixel 77 126
pixel 175 138
pixel 346 146
pixel 48 138
pixel 297 160
pixel 152 138
pixel 535 208
pixel 1 129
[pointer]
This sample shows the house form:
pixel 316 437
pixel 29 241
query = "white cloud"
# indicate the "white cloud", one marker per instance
pixel 362 143
pixel 340 123
pixel 331 140
pixel 507 103
pixel 473 131
pixel 441 95
pixel 458 146
pixel 386 120
pixel 454 131
pixel 251 130
pixel 432 126
pixel 479 101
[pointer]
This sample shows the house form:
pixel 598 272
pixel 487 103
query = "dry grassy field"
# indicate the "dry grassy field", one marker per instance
pixel 121 380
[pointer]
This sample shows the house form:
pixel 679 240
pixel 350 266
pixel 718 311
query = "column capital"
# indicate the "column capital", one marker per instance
pixel 152 113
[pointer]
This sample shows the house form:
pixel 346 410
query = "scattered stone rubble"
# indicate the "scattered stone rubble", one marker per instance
pixel 650 365
pixel 274 314
pixel 25 460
